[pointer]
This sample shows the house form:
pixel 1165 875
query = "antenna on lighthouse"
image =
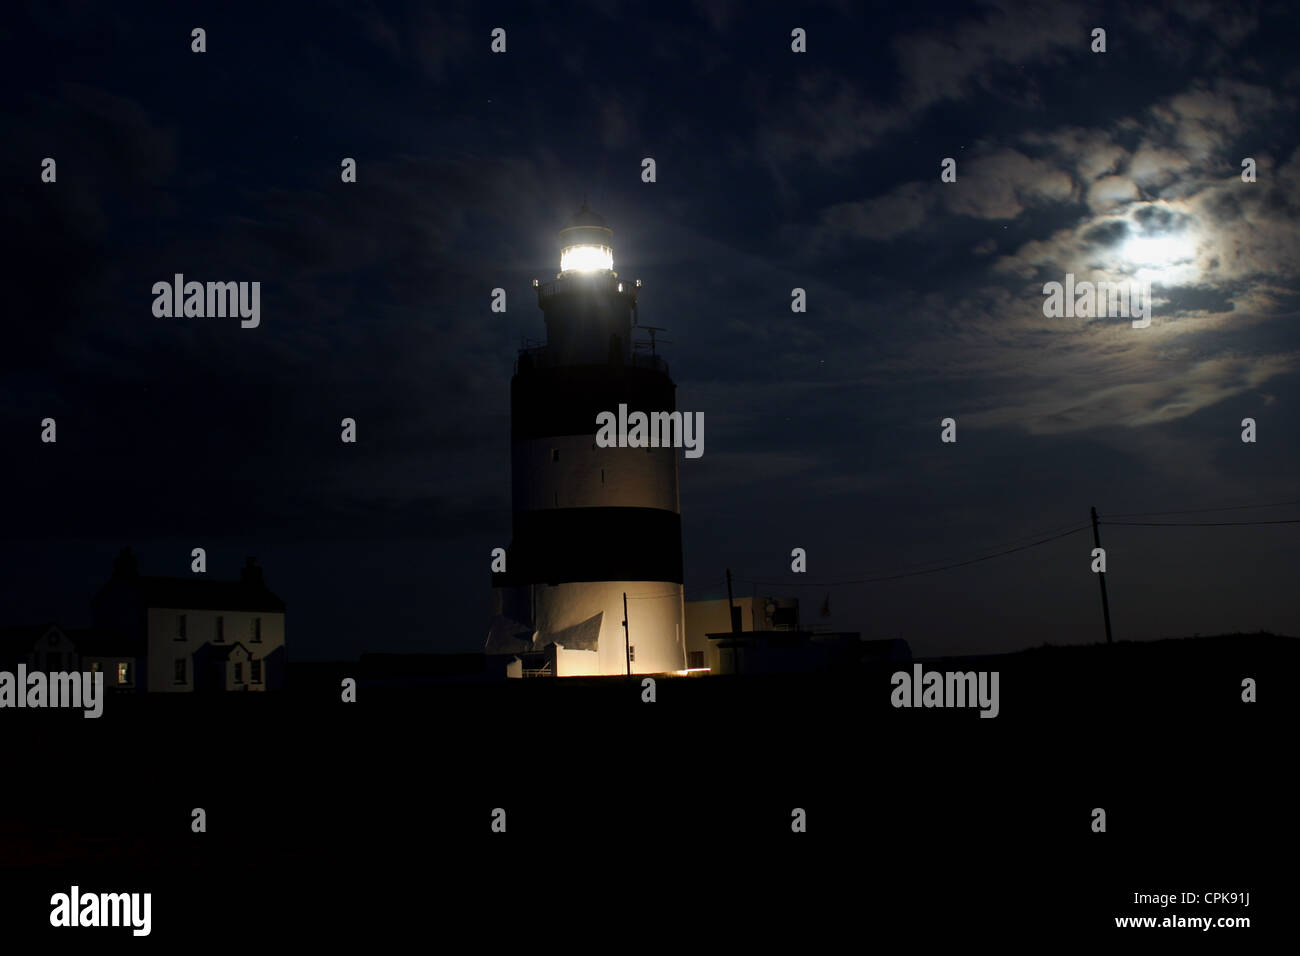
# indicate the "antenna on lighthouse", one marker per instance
pixel 652 329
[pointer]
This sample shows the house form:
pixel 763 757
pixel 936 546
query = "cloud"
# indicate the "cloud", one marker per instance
pixel 1111 191
pixel 828 118
pixel 435 41
pixel 900 211
pixel 1150 400
pixel 1004 184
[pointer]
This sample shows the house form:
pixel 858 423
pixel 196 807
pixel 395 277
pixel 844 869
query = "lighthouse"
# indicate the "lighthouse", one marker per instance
pixel 595 530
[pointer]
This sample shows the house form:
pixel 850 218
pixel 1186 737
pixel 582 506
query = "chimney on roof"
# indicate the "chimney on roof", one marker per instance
pixel 125 565
pixel 252 574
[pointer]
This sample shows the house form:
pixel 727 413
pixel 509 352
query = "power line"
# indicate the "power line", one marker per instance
pixel 1049 536
pixel 1193 511
pixel 910 574
pixel 965 554
pixel 1199 524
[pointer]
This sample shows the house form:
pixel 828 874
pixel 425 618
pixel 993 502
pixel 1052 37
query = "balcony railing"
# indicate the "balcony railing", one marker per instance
pixel 587 282
pixel 542 357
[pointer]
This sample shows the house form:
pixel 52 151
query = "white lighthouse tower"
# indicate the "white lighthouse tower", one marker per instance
pixel 595 529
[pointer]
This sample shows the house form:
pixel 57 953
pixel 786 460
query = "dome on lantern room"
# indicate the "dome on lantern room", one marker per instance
pixel 586 243
pixel 585 217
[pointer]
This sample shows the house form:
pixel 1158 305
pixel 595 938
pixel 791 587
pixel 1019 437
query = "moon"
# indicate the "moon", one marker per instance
pixel 1167 259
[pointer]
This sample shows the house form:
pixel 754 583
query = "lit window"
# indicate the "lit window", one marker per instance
pixel 94 666
pixel 696 659
pixel 123 672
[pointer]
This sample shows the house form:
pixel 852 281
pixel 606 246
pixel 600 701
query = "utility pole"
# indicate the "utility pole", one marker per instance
pixel 627 637
pixel 731 606
pixel 735 630
pixel 1101 576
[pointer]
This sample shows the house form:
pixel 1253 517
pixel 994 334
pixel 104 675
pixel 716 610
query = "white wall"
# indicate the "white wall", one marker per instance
pixel 243 657
pixel 713 617
pixel 655 618
pixel 49 645
pixel 576 663
pixel 200 629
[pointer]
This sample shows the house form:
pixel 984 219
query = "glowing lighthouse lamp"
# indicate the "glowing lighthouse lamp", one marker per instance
pixel 586 258
pixel 586 244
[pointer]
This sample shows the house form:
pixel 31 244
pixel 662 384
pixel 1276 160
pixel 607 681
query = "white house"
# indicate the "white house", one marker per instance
pixel 49 648
pixel 197 633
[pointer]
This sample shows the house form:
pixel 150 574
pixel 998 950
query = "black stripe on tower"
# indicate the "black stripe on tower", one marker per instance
pixel 549 402
pixel 560 545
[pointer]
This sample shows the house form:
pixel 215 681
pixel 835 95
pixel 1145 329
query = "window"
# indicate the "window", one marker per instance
pixel 123 673
pixel 239 672
pixel 555 454
pixel 180 670
pixel 94 666
pixel 695 658
pixel 631 652
pixel 180 627
pixel 221 629
pixel 256 668
pixel 257 630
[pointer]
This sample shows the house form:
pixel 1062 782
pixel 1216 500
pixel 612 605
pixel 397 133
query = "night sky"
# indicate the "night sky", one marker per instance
pixel 775 170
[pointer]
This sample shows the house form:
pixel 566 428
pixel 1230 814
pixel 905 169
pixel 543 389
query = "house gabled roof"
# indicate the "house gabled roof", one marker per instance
pixel 17 642
pixel 25 637
pixel 248 593
pixel 103 642
pixel 85 641
pixel 201 595
pixel 220 652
